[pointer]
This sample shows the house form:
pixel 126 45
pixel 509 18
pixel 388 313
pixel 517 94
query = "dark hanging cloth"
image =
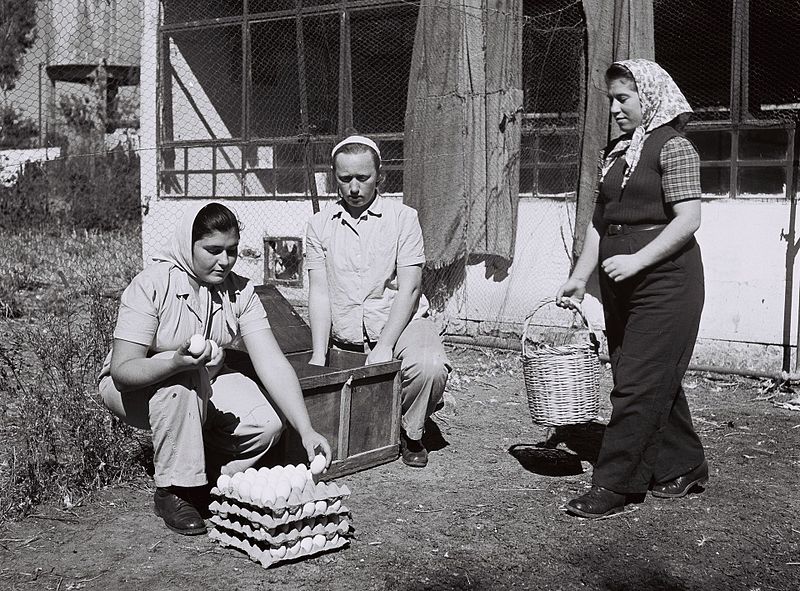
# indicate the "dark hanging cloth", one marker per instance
pixel 618 30
pixel 462 128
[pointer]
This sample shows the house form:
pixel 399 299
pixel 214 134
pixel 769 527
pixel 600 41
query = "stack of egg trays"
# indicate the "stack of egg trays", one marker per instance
pixel 287 529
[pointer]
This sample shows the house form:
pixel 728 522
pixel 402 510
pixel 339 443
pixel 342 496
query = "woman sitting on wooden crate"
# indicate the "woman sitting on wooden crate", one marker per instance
pixel 166 370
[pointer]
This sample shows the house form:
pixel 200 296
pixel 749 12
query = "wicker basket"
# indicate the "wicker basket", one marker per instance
pixel 562 380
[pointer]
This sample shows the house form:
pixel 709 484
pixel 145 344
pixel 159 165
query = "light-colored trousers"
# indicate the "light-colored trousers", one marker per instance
pixel 424 368
pixel 240 424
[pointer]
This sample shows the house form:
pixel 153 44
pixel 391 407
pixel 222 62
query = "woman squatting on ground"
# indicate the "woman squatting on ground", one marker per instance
pixel 204 417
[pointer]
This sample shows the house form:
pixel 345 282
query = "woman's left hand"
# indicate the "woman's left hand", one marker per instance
pixel 214 365
pixel 312 442
pixel 621 267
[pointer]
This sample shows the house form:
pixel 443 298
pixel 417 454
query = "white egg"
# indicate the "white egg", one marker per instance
pixel 300 468
pixel 308 509
pixel 244 491
pixel 278 552
pixel 250 473
pixel 307 543
pixel 298 480
pixel 256 491
pixel 283 489
pixel 318 464
pixel 197 344
pixel 268 497
pixel 223 482
pixel 293 550
pixel 320 507
pixel 318 541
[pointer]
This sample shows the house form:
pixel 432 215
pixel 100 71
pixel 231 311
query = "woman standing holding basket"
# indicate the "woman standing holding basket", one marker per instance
pixel 651 281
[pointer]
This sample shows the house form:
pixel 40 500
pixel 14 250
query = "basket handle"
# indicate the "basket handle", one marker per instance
pixel 576 308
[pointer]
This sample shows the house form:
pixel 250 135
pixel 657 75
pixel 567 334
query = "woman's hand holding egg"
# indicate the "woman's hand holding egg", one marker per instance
pixel 214 365
pixel 194 352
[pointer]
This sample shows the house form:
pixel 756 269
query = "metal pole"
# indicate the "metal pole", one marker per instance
pixel 41 130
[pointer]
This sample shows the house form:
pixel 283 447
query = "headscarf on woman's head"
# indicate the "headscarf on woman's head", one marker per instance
pixel 178 250
pixel 661 101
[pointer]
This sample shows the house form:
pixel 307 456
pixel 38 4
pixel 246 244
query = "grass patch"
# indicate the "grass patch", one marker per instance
pixel 60 297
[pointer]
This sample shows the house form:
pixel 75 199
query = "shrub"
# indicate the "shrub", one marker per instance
pixel 17 131
pixel 90 192
pixel 55 436
pixel 61 440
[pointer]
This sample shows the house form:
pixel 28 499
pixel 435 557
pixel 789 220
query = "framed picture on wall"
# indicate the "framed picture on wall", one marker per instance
pixel 283 260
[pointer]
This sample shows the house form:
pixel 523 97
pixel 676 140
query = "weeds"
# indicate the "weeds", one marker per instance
pixel 57 438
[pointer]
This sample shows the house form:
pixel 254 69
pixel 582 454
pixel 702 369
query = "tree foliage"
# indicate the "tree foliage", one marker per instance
pixel 17 35
pixel 16 130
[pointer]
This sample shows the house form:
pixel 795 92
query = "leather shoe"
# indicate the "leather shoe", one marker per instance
pixel 682 485
pixel 598 502
pixel 178 514
pixel 413 452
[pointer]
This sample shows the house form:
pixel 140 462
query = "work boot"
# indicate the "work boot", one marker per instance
pixel 682 485
pixel 178 514
pixel 598 502
pixel 413 452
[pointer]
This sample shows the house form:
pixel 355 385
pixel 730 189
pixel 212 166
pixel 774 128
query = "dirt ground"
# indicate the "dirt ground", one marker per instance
pixel 487 513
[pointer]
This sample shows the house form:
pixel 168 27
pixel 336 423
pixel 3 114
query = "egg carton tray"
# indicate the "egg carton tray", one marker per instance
pixel 267 519
pixel 289 533
pixel 269 556
pixel 310 494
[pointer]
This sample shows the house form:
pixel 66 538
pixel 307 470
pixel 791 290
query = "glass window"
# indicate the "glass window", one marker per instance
pixel 770 144
pixel 202 84
pixel 679 29
pixel 180 11
pixel 274 101
pixel 381 42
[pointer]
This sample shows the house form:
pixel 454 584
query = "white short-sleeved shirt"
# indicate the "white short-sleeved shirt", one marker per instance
pixel 159 309
pixel 361 257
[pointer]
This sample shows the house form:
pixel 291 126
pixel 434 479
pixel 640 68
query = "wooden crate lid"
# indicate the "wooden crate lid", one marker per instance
pixel 291 331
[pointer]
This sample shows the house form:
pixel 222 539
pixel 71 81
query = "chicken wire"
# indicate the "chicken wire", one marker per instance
pixel 242 101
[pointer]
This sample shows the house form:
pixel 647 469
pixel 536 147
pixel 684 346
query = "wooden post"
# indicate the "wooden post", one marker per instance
pixel 308 149
pixel 345 72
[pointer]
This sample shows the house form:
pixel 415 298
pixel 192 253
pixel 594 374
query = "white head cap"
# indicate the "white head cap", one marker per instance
pixel 356 139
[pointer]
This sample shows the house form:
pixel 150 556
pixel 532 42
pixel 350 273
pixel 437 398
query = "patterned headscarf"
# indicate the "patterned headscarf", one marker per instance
pixel 661 101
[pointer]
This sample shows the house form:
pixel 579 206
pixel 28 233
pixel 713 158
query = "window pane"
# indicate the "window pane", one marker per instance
pixel 688 34
pixel 202 84
pixel 774 70
pixel 321 41
pixel 274 104
pixel 763 143
pixel 762 182
pixel 258 6
pixel 711 144
pixel 552 54
pixel 228 185
pixel 715 180
pixel 381 44
pixel 178 11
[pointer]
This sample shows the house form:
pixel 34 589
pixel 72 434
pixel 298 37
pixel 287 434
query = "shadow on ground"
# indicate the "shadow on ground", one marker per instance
pixel 582 443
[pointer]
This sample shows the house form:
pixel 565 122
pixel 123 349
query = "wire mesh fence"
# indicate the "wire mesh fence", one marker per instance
pixel 147 106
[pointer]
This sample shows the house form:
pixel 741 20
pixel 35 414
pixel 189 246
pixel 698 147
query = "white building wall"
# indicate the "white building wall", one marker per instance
pixel 743 250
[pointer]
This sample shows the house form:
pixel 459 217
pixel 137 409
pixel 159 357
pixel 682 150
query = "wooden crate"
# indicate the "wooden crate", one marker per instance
pixel 356 407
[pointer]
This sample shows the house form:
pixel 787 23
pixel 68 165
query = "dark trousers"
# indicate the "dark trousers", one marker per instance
pixel 652 321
